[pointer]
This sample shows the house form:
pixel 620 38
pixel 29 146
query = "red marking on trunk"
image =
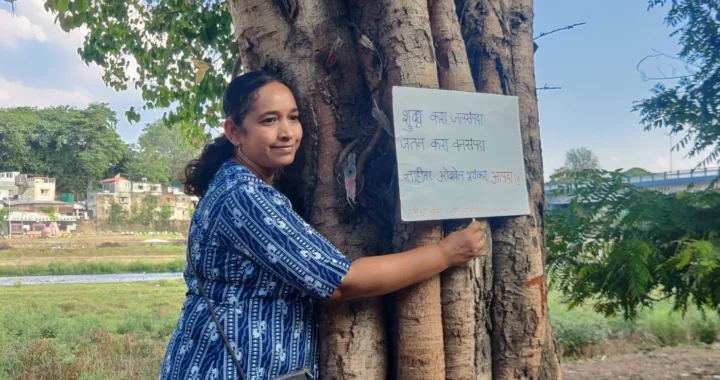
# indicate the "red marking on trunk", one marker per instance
pixel 540 282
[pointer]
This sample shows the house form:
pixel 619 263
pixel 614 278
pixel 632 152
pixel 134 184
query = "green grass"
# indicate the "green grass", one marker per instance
pixel 581 332
pixel 60 268
pixel 87 331
pixel 120 331
pixel 133 250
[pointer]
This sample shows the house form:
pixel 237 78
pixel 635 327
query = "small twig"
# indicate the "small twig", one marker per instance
pixel 658 54
pixel 236 68
pixel 344 153
pixel 365 155
pixel 559 30
pixel 546 87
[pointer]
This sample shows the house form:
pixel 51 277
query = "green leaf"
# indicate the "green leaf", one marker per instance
pixel 66 22
pixel 132 115
pixel 83 5
pixel 62 5
pixel 79 19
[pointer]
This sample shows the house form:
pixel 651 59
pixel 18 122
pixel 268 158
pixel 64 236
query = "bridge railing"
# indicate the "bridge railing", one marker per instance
pixel 705 173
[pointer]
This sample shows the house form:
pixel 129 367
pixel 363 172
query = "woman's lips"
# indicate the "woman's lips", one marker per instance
pixel 283 148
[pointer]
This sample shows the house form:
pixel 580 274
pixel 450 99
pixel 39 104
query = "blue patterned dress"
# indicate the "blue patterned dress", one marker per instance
pixel 262 267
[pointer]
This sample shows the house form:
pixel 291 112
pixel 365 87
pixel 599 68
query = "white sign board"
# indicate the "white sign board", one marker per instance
pixel 459 155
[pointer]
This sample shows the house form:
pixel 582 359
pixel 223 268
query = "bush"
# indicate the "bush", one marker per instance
pixel 582 333
pixel 577 329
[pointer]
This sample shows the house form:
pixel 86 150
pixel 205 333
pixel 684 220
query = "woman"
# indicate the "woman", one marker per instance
pixel 261 265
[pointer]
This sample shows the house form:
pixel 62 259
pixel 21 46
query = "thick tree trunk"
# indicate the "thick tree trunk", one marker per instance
pixel 465 322
pixel 499 36
pixel 393 42
pixel 297 43
pixel 405 38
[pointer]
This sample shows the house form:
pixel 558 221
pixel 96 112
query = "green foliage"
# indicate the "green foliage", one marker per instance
pixel 625 246
pixel 117 216
pixel 75 146
pixel 160 155
pixel 4 212
pixel 87 331
pixel 689 106
pixel 580 159
pixel 50 211
pixel 581 327
pixel 104 267
pixel 635 172
pixel 146 215
pixel 162 38
pixel 165 214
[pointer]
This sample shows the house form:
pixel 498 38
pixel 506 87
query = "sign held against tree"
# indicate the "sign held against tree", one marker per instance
pixel 459 155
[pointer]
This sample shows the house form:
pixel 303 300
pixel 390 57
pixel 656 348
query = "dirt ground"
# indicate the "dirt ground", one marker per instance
pixel 677 363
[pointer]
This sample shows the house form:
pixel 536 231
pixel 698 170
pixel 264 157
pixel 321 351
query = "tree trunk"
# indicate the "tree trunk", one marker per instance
pixel 464 302
pixel 300 44
pixel 339 68
pixel 409 60
pixel 499 36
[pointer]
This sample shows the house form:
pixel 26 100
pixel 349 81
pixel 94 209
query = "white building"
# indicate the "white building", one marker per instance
pixel 130 195
pixel 34 187
pixel 8 188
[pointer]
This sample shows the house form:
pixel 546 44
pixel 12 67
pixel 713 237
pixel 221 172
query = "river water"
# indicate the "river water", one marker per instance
pixel 89 279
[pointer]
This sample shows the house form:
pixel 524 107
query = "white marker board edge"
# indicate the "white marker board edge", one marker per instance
pixel 520 207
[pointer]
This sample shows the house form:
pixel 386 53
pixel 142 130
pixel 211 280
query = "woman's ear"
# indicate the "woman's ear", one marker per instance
pixel 231 131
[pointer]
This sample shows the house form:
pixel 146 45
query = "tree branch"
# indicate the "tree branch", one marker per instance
pixel 663 76
pixel 546 87
pixel 236 68
pixel 559 30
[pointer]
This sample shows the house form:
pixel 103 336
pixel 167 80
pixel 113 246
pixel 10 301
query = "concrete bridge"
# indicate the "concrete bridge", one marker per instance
pixel 667 182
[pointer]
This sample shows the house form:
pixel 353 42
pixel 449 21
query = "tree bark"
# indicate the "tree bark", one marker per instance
pixel 405 39
pixel 499 35
pixel 412 43
pixel 466 338
pixel 296 41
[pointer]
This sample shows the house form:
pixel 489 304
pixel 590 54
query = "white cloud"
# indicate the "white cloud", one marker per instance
pixel 32 21
pixel 660 165
pixel 15 28
pixel 15 94
pixel 614 158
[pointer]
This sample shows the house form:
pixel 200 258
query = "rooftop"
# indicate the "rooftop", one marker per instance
pixel 35 202
pixel 115 179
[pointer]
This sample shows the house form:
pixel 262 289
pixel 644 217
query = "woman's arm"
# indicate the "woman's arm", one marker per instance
pixel 378 275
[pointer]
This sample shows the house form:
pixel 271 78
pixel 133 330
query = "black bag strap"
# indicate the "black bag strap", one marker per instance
pixel 212 312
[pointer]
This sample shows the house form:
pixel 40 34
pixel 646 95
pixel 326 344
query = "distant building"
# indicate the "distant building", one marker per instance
pixel 8 188
pixel 35 187
pixel 33 223
pixel 131 194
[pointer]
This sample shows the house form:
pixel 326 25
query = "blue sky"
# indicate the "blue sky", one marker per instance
pixel 595 65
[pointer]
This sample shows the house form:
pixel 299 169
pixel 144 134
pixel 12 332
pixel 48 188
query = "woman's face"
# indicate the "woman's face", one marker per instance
pixel 271 131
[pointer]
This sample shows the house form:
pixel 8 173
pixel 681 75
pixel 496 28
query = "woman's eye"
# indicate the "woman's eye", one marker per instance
pixel 295 117
pixel 268 120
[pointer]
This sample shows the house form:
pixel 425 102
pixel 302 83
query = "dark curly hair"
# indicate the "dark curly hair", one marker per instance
pixel 237 103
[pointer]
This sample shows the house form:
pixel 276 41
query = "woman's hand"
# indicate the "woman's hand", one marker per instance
pixel 464 245
pixel 377 275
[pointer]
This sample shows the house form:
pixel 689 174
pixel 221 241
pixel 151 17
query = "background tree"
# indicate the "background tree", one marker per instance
pixel 688 105
pixel 577 159
pixel 117 216
pixel 164 215
pixel 160 154
pixel 4 213
pixel 653 245
pixel 76 146
pixel 342 58
pixel 146 213
pixel 50 211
